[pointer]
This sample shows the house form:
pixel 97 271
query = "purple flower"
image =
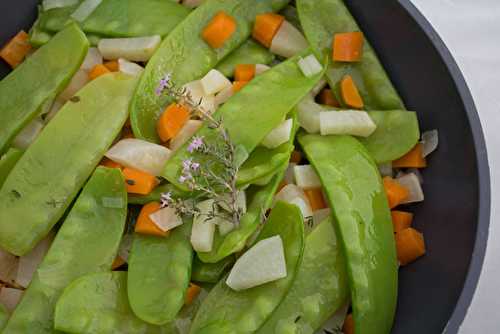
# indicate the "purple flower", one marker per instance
pixel 195 144
pixel 195 166
pixel 164 82
pixel 182 179
pixel 186 164
pixel 165 199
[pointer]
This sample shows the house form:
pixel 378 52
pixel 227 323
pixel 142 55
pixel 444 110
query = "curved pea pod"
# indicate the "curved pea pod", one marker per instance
pixel 185 55
pixel 98 303
pixel 249 52
pixel 321 20
pixel 159 270
pixel 8 161
pixel 87 242
pixel 55 19
pixel 354 190
pixel 4 316
pixel 319 289
pixel 210 272
pixel 228 311
pixel 53 169
pixel 39 79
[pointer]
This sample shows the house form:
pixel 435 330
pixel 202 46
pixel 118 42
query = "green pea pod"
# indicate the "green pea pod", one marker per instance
pixel 159 270
pixel 86 243
pixel 319 289
pixel 38 79
pixel 249 52
pixel 259 199
pixel 4 316
pixel 98 303
pixel 210 272
pixel 53 169
pixel 276 91
pixel 55 19
pixel 226 311
pixel 185 55
pixel 155 195
pixel 8 161
pixel 38 36
pixel 291 15
pixel 321 20
pixel 354 189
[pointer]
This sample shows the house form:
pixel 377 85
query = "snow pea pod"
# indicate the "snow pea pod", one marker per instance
pixel 210 272
pixel 8 161
pixel 38 79
pixel 354 189
pixel 249 52
pixel 86 243
pixel 321 19
pixel 226 311
pixel 159 270
pixel 4 316
pixel 54 168
pixel 188 57
pixel 55 19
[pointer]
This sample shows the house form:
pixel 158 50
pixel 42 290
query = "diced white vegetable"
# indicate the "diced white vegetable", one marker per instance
pixel 140 154
pixel 187 131
pixel 306 177
pixel 263 263
pixel 417 173
pixel 195 89
pixel 214 81
pixel 28 263
pixel 292 194
pixel 202 233
pixel 28 135
pixel 192 3
pixel 225 227
pixel 92 59
pixel 125 246
pixel 310 66
pixel 56 106
pixel 411 182
pixel 129 67
pixel 10 297
pixel 288 41
pixel 241 202
pixel 166 219
pixel 430 141
pixel 50 4
pixel 8 266
pixel 347 122
pixel 261 68
pixel 320 215
pixel 304 206
pixel 133 49
pixel 80 79
pixel 85 9
pixel 223 96
pixel 290 173
pixel 308 114
pixel 385 169
pixel 279 135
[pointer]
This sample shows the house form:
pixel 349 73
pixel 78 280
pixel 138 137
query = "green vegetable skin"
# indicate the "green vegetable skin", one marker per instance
pixel 156 194
pixel 321 19
pixel 319 289
pixel 249 52
pixel 40 78
pixel 354 189
pixel 97 304
pixel 210 272
pixel 4 316
pixel 86 243
pixel 158 274
pixel 54 168
pixel 226 311
pixel 188 57
pixel 7 162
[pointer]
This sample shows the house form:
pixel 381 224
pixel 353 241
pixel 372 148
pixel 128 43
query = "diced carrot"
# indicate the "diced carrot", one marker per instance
pixel 171 121
pixel 348 46
pixel 110 163
pixel 16 50
pixel 266 27
pixel 350 93
pixel 396 193
pixel 97 71
pixel 238 85
pixel 410 245
pixel 244 72
pixel 192 293
pixel 139 182
pixel 296 157
pixel 145 225
pixel 316 199
pixel 112 65
pixel 348 327
pixel 219 30
pixel 117 263
pixel 413 159
pixel 327 98
pixel 401 220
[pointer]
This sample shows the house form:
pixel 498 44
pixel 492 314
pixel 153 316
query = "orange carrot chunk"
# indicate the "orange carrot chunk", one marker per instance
pixel 413 159
pixel 296 157
pixel 238 85
pixel 316 199
pixel 244 72
pixel 327 98
pixel 110 163
pixel 401 220
pixel 266 27
pixel 191 293
pixel 219 30
pixel 139 182
pixel 350 93
pixel 348 46
pixel 171 121
pixel 97 71
pixel 145 225
pixel 112 65
pixel 396 193
pixel 16 50
pixel 117 263
pixel 348 327
pixel 410 245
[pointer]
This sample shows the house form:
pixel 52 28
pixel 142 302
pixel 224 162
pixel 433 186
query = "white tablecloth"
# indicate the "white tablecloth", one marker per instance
pixel 471 30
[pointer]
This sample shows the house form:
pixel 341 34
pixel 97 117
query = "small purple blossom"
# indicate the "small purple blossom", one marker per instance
pixel 182 179
pixel 186 164
pixel 195 166
pixel 165 199
pixel 164 82
pixel 195 144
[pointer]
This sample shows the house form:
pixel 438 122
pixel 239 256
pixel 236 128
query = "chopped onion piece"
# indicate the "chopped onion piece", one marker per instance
pixel 347 122
pixel 166 219
pixel 195 89
pixel 411 182
pixel 430 142
pixel 92 59
pixel 129 67
pixel 28 263
pixel 306 177
pixel 225 227
pixel 140 154
pixel 192 3
pixel 308 114
pixel 28 135
pixel 202 233
pixel 294 195
pixel 125 246
pixel 8 266
pixel 86 8
pixel 51 4
pixel 56 106
pixel 261 68
pixel 310 66
pixel 417 173
pixel 385 169
pixel 279 135
pixel 80 79
pixel 290 173
pixel 214 82
pixel 10 297
pixel 187 131
pixel 132 49
pixel 224 95
pixel 288 41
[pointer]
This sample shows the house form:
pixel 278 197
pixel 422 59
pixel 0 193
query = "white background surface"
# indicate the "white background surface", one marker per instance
pixel 471 30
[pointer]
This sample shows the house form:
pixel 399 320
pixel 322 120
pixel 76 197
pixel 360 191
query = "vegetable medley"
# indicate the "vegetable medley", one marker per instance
pixel 217 166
